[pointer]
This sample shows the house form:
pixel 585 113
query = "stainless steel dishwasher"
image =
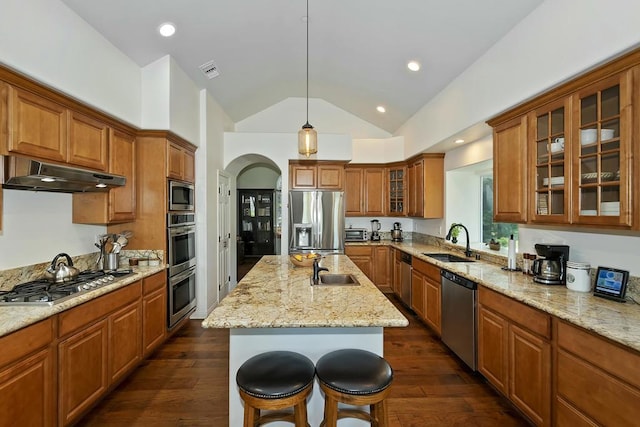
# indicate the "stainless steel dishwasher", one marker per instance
pixel 459 305
pixel 405 279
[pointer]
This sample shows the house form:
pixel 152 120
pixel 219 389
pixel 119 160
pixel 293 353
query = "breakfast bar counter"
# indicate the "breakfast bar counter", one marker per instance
pixel 275 307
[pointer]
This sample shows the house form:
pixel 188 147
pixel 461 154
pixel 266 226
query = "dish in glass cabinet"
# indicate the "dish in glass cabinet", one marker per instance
pixel 556 180
pixel 589 136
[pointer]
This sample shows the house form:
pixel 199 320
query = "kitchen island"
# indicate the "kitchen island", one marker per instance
pixel 274 307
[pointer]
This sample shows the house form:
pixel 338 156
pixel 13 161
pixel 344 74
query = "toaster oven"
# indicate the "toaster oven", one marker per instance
pixel 355 235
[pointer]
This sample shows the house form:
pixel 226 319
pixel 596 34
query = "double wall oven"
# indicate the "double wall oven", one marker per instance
pixel 181 246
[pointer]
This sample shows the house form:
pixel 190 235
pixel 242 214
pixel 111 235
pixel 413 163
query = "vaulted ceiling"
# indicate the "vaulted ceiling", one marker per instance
pixel 358 49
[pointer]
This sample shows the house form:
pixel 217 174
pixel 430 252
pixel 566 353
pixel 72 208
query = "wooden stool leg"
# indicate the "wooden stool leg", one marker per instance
pixel 381 414
pixel 251 414
pixel 330 412
pixel 300 414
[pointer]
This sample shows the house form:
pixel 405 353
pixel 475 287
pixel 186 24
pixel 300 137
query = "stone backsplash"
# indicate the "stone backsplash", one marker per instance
pixel 10 278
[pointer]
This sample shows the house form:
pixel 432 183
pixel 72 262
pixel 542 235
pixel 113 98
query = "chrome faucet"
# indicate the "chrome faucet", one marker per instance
pixel 316 271
pixel 467 252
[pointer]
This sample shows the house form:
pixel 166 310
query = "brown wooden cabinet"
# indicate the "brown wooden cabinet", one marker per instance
pixel 353 191
pixel 510 171
pixel 124 341
pixel 382 268
pixel 119 204
pixel 365 190
pixel 309 175
pixel 361 256
pixel 27 377
pixel 154 312
pixel 150 226
pixel 37 127
pixel 514 353
pixel 597 382
pixel 425 280
pixel 375 263
pixel 180 163
pixel 41 128
pixel 418 293
pixel 567 156
pixel 83 376
pixel 426 186
pixel 493 350
pixel 88 142
pixel 100 342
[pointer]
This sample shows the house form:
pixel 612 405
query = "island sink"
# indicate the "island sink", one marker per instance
pixel 448 257
pixel 336 280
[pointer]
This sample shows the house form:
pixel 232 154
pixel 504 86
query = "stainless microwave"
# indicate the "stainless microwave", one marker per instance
pixel 181 196
pixel 355 234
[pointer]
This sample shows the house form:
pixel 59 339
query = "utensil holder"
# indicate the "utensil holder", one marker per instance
pixel 111 262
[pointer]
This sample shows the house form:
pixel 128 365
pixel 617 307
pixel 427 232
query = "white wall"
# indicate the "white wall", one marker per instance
pixel 257 177
pixel 214 122
pixel 156 84
pixel 379 150
pixel 289 115
pixel 185 105
pixel 49 42
pixel 556 41
pixel 170 100
pixel 46 41
pixel 37 226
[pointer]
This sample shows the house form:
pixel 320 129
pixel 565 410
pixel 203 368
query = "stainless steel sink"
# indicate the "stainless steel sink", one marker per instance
pixel 448 257
pixel 336 280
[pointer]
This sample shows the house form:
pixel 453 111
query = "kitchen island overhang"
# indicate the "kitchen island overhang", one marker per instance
pixel 275 307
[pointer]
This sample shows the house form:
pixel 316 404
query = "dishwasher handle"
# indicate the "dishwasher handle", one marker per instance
pixel 458 280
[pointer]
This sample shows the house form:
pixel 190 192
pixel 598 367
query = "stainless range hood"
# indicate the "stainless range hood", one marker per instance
pixel 27 174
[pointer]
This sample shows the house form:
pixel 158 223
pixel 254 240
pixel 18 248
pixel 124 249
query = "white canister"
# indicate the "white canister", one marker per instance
pixel 578 277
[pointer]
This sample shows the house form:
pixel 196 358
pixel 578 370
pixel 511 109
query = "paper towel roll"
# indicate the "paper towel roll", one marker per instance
pixel 511 257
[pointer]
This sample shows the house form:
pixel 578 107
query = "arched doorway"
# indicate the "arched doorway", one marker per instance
pixel 256 209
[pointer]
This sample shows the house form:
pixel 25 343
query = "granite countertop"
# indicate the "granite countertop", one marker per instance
pixel 277 294
pixel 613 320
pixel 14 317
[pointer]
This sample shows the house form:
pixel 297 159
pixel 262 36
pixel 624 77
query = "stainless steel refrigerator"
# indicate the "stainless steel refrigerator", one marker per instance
pixel 316 221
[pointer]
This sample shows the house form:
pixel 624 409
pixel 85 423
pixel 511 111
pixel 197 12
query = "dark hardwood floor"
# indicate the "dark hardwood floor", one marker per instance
pixel 185 384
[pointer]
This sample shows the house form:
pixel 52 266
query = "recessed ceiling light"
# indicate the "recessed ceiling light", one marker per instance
pixel 167 29
pixel 47 179
pixel 381 109
pixel 413 66
pixel 459 141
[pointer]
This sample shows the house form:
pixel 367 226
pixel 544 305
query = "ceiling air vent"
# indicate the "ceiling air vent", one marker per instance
pixel 210 70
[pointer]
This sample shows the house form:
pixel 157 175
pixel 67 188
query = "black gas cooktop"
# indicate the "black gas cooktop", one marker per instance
pixel 43 292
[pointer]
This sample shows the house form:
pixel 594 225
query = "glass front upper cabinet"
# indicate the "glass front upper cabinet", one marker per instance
pixel 551 152
pixel 602 141
pixel 397 185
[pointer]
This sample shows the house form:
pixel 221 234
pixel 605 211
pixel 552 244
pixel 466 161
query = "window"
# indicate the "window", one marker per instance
pixel 500 231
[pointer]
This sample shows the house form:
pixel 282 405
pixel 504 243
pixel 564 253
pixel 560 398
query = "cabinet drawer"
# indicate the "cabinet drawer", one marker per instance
pixel 608 356
pixel 532 319
pixel 82 315
pixel 25 341
pixel 598 395
pixel 357 250
pixel 430 270
pixel 152 283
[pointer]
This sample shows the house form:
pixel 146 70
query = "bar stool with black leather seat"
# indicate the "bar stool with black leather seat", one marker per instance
pixel 274 381
pixel 354 377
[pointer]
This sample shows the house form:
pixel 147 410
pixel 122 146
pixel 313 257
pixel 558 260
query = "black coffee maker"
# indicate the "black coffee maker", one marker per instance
pixel 551 269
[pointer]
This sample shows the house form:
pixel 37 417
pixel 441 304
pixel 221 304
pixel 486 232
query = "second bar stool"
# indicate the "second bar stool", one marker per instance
pixel 274 381
pixel 355 377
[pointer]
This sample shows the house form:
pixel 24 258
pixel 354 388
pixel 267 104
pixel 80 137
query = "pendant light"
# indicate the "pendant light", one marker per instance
pixel 307 136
